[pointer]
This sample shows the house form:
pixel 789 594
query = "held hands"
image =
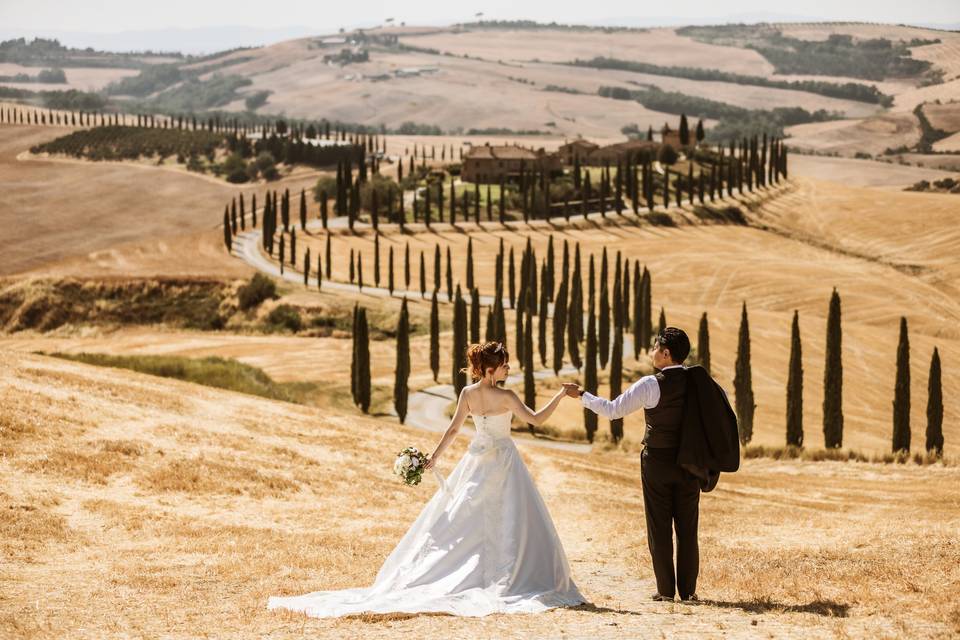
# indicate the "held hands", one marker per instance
pixel 430 462
pixel 571 389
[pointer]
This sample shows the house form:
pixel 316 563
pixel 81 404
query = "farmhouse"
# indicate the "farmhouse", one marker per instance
pixel 670 136
pixel 574 148
pixel 612 153
pixel 489 163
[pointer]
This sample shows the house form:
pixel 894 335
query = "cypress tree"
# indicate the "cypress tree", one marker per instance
pixel 376 258
pixel 603 323
pixel 449 277
pixel 474 315
pixel 459 342
pixel 590 368
pixel 323 210
pixel 400 390
pixel 901 398
pixel 227 236
pixel 646 322
pixel 617 286
pixel 935 406
pixel 436 267
pixel 616 371
pixel 406 266
pixel 502 209
pixel 703 343
pixel 637 312
pixel 684 130
pixel 663 322
pixel 352 267
pixel 549 280
pixel 319 272
pixel 833 379
pixel 529 387
pixel 363 359
pixel 329 258
pixel 434 337
pixel 524 275
pixel 280 258
pixel 518 321
pixel 511 277
pixel 303 209
pixel 542 318
pixel 293 247
pixel 423 276
pixel 360 270
pixel 390 270
pixel 795 387
pixel 575 313
pixel 469 263
pixel 625 294
pixel 354 364
pixel 559 325
pixel 306 268
pixel 743 380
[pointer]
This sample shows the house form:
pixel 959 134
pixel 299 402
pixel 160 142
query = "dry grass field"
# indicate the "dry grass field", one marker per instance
pixel 61 209
pixel 845 137
pixel 137 506
pixel 79 78
pixel 496 77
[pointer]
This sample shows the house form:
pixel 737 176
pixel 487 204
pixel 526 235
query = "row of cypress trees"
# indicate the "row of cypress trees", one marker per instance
pixel 466 326
pixel 296 130
pixel 833 387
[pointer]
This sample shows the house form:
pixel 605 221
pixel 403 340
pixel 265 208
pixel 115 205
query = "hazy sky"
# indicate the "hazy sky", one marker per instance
pixel 120 15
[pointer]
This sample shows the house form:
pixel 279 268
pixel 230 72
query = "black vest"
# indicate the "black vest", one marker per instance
pixel 664 420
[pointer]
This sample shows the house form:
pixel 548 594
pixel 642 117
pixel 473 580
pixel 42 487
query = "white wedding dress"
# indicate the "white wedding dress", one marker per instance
pixel 483 544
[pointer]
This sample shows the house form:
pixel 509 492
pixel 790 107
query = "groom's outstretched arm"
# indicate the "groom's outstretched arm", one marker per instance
pixel 642 394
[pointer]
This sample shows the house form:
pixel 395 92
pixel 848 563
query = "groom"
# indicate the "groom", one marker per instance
pixel 671 495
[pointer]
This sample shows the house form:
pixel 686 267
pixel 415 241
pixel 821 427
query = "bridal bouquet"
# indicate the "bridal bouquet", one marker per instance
pixel 409 465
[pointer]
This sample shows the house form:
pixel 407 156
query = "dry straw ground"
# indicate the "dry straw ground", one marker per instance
pixel 137 506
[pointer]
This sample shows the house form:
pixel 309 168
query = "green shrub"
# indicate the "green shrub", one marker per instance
pixel 259 288
pixel 211 371
pixel 285 316
pixel 235 168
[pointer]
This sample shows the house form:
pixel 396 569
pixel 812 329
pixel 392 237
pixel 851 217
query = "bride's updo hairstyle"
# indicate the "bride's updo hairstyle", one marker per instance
pixel 484 356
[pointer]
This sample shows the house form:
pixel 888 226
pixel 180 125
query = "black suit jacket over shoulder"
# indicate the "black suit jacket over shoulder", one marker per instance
pixel 709 436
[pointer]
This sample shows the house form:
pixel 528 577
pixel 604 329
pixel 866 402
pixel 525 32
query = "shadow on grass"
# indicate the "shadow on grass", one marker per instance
pixel 827 608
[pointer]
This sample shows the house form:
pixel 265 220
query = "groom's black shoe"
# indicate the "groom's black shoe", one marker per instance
pixel 690 598
pixel 657 597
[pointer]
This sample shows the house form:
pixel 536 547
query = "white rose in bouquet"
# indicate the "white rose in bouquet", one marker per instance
pixel 409 465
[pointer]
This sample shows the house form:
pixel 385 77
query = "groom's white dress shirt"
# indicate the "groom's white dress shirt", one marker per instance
pixel 642 394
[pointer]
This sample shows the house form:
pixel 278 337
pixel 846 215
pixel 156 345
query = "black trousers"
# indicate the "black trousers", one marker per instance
pixel 671 499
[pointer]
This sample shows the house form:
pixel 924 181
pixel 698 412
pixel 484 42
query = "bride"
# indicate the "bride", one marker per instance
pixel 484 543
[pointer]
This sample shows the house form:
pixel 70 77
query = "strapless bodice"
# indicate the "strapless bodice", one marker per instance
pixel 493 426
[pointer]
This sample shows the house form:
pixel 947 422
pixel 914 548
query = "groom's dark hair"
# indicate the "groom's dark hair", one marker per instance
pixel 676 341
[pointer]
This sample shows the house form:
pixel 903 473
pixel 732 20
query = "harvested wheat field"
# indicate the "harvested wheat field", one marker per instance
pixel 134 505
pixel 80 78
pixel 59 209
pixel 846 137
pixel 788 257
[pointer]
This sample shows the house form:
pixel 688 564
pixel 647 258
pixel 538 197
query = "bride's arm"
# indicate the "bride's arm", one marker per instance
pixel 455 423
pixel 530 416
